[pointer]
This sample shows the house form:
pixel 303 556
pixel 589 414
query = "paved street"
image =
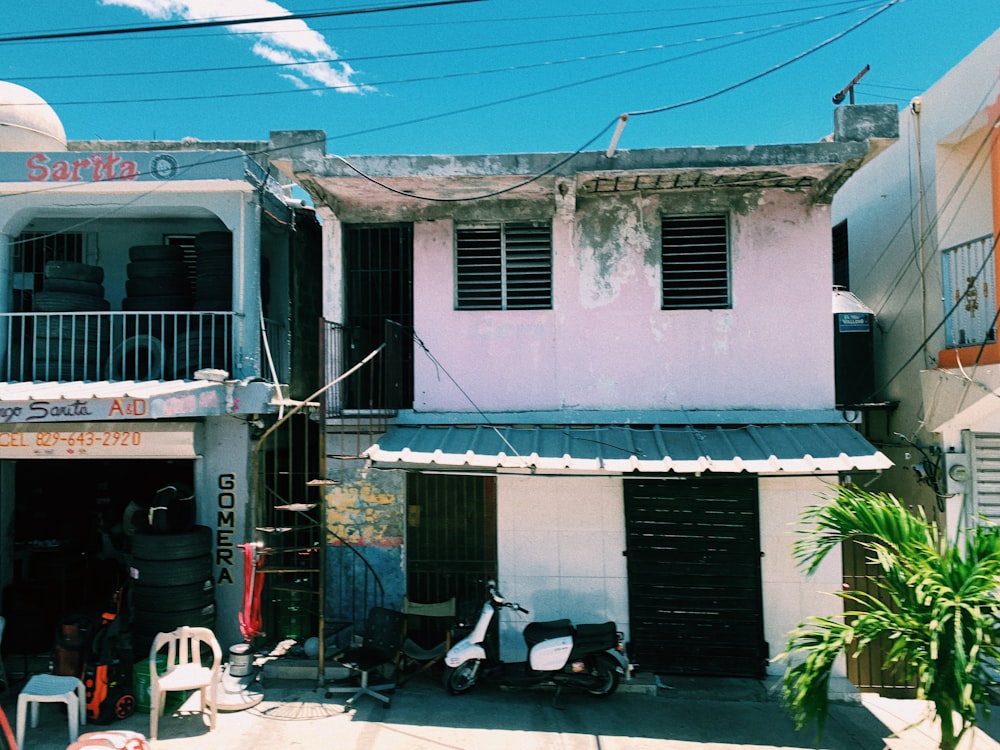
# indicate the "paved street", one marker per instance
pixel 683 715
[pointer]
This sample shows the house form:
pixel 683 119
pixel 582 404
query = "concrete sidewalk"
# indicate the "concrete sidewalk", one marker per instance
pixel 680 714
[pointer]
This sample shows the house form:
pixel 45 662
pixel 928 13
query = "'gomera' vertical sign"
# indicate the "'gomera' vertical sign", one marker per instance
pixel 225 528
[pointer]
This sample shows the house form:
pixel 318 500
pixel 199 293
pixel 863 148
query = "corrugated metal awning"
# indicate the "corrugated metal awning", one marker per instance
pixel 755 449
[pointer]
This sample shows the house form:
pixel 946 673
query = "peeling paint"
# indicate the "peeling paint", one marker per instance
pixel 610 237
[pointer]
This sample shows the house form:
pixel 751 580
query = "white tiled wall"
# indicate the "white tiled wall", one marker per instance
pixel 789 596
pixel 560 552
pixel 560 544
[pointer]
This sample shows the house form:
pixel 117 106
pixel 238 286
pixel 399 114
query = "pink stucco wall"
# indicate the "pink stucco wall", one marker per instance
pixel 606 344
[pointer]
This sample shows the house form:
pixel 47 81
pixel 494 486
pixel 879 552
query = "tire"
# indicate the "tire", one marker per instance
pixel 606 677
pixel 157 303
pixel 69 302
pixel 138 357
pixel 72 285
pixel 212 304
pixel 461 679
pixel 192 353
pixel 162 622
pixel 172 572
pixel 213 285
pixel 65 269
pixel 155 252
pixel 155 269
pixel 169 285
pixel 194 543
pixel 173 598
pixel 214 241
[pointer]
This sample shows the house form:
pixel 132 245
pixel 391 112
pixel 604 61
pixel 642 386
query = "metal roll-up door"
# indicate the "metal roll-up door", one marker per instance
pixel 695 602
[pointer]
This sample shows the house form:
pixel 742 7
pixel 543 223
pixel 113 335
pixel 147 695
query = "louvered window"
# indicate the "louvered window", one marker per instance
pixel 695 271
pixel 504 267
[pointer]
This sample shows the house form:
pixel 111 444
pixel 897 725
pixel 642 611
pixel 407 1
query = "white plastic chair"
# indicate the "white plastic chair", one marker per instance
pixel 52 688
pixel 184 671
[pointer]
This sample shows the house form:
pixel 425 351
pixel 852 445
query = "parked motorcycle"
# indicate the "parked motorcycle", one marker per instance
pixel 588 657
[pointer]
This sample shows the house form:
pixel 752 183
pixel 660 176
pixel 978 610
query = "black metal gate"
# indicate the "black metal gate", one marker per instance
pixel 695 603
pixel 451 538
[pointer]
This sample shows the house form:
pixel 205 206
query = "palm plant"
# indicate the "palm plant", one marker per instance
pixel 939 616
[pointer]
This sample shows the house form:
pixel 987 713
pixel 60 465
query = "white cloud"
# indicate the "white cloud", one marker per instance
pixel 280 42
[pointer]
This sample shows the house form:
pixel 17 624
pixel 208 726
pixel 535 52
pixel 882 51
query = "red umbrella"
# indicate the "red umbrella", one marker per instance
pixel 251 624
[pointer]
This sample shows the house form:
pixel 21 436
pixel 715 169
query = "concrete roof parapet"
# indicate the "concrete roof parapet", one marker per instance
pixel 863 122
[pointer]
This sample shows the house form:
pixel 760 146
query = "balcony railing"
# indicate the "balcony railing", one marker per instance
pixel 119 346
pixel 970 288
pixel 382 387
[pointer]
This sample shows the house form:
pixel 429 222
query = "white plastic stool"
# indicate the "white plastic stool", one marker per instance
pixel 51 688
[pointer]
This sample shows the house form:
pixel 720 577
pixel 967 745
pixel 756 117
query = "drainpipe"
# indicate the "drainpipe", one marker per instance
pixel 915 106
pixel 6 294
pixel 993 112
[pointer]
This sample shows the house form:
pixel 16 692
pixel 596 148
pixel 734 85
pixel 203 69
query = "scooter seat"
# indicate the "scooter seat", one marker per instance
pixel 536 632
pixel 595 637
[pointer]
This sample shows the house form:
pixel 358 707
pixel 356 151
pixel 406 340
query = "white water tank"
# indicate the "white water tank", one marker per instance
pixel 27 122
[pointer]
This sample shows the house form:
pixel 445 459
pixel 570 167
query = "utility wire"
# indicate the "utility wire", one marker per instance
pixel 742 37
pixel 520 20
pixel 560 162
pixel 234 21
pixel 773 69
pixel 606 128
pixel 447 51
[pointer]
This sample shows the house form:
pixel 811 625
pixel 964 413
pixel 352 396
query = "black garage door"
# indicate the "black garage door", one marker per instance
pixel 695 603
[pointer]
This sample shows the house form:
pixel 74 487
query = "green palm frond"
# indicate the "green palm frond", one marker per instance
pixel 936 613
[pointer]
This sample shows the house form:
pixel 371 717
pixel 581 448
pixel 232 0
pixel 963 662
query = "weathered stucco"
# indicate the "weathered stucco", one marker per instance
pixel 606 344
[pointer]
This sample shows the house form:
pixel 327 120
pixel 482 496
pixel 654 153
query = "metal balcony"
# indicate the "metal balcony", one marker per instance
pixel 120 346
pixel 970 303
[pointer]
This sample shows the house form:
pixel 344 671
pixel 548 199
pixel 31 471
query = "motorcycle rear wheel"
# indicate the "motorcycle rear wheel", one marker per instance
pixel 606 677
pixel 462 678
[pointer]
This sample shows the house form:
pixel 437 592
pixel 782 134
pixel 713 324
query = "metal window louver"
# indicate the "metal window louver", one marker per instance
pixel 504 267
pixel 695 262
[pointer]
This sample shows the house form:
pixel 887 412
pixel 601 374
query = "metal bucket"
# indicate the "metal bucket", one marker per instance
pixel 240 660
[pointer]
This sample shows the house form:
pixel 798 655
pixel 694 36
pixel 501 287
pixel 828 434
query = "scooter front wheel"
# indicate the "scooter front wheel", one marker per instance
pixel 462 678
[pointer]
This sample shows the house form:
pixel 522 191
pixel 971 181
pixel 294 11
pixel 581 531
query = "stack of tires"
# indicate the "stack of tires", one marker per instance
pixel 70 347
pixel 172 584
pixel 213 282
pixel 206 342
pixel 157 279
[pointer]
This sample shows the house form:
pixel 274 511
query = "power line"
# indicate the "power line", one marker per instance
pixel 454 50
pixel 234 21
pixel 742 37
pixel 494 21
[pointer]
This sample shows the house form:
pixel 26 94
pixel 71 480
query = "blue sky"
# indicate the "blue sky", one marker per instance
pixel 491 76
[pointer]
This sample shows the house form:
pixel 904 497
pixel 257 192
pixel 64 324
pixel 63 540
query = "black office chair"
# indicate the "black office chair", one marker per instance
pixel 382 640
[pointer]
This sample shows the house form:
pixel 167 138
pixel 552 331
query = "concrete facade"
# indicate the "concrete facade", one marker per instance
pixel 605 351
pixel 922 221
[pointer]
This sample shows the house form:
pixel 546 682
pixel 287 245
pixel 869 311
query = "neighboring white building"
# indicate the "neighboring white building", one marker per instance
pixel 609 380
pixel 921 222
pixel 153 312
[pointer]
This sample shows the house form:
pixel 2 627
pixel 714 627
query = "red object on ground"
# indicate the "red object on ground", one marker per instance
pixel 251 624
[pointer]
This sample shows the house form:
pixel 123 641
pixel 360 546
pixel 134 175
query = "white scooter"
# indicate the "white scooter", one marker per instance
pixel 589 657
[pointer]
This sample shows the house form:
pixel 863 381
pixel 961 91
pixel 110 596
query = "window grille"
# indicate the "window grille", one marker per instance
pixel 970 298
pixel 695 262
pixel 504 267
pixel 32 250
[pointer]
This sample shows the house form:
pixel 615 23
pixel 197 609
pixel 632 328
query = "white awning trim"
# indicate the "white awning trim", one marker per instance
pixel 685 449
